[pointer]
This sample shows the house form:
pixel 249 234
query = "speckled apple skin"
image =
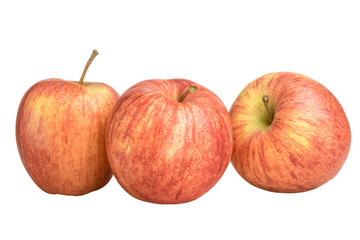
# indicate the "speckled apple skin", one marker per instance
pixel 60 134
pixel 305 146
pixel 164 151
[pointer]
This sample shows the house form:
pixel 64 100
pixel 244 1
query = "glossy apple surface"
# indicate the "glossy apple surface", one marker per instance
pixel 165 151
pixel 297 141
pixel 60 133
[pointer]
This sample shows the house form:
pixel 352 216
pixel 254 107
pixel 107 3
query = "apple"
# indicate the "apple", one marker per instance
pixel 60 134
pixel 290 133
pixel 168 141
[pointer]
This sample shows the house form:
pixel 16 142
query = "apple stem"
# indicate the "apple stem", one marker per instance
pixel 266 99
pixel 93 55
pixel 191 89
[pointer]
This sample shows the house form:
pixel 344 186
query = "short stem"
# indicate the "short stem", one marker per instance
pixel 266 99
pixel 93 55
pixel 191 89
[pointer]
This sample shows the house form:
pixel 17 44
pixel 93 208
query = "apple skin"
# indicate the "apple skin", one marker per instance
pixel 60 134
pixel 164 151
pixel 306 144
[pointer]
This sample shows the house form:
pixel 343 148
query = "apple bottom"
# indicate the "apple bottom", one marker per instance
pixel 169 169
pixel 274 167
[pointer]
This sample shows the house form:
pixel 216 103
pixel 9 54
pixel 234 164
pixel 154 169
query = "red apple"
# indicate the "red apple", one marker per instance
pixel 60 133
pixel 167 142
pixel 290 133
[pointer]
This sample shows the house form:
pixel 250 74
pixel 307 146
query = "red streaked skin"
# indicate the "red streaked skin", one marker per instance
pixel 164 151
pixel 305 146
pixel 60 133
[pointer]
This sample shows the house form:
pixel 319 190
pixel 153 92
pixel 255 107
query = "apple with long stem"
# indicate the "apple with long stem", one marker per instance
pixel 60 134
pixel 290 133
pixel 168 141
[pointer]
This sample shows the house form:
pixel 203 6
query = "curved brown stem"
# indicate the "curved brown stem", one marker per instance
pixel 191 89
pixel 93 55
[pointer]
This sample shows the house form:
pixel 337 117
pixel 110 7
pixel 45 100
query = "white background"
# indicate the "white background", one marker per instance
pixel 222 45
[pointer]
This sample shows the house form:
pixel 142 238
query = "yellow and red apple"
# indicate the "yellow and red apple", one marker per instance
pixel 168 141
pixel 60 133
pixel 290 133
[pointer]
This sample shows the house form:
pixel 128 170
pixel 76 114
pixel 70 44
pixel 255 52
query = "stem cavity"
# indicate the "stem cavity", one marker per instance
pixel 266 99
pixel 93 55
pixel 191 89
